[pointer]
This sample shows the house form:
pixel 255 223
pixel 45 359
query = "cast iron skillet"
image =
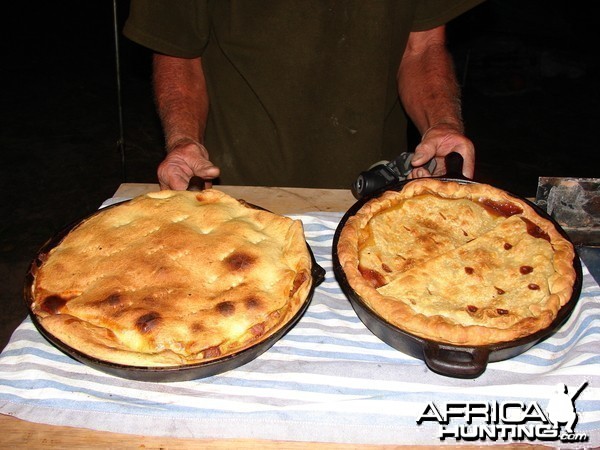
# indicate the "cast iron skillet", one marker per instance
pixel 167 373
pixel 459 361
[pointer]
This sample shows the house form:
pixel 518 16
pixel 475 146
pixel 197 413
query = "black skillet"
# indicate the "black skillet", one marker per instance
pixel 459 361
pixel 168 373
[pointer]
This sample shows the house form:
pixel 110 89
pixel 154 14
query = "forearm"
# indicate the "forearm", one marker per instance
pixel 427 83
pixel 181 98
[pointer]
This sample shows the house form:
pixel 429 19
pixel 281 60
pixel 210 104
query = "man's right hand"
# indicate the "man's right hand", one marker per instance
pixel 184 160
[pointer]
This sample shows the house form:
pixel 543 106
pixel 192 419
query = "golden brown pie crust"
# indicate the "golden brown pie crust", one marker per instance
pixel 173 278
pixel 466 264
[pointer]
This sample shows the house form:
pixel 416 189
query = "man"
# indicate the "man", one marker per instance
pixel 300 93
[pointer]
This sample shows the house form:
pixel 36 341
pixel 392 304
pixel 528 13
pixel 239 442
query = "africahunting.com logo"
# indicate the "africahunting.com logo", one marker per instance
pixel 511 420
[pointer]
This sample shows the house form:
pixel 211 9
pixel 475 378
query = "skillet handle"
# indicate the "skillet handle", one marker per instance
pixel 454 164
pixel 468 362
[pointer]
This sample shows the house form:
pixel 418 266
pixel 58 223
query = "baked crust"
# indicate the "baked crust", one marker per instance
pixel 459 263
pixel 173 278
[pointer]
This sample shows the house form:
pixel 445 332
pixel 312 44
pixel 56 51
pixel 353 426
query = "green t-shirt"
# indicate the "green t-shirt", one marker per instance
pixel 302 93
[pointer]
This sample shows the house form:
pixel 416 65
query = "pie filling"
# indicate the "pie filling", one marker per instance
pixel 466 264
pixel 173 278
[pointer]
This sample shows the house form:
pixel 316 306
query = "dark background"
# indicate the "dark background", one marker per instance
pixel 528 70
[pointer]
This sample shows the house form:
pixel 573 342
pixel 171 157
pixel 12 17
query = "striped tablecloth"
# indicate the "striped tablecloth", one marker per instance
pixel 329 379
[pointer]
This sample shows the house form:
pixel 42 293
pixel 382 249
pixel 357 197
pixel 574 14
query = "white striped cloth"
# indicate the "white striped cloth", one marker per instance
pixel 329 379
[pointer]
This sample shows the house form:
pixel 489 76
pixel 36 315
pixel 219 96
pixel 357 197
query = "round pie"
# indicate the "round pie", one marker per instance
pixel 459 263
pixel 173 278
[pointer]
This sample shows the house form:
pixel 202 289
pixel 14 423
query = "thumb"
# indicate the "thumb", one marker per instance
pixel 423 153
pixel 206 170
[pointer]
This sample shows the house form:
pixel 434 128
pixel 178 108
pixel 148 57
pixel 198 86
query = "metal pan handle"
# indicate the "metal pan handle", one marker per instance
pixel 469 362
pixel 454 164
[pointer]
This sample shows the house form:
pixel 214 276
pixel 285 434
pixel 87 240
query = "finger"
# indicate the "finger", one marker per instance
pixel 178 182
pixel 468 168
pixel 424 152
pixel 419 172
pixel 207 171
pixel 468 154
pixel 203 177
pixel 173 176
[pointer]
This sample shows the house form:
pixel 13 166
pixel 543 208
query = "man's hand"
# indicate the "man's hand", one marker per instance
pixel 182 104
pixel 437 142
pixel 186 159
pixel 430 95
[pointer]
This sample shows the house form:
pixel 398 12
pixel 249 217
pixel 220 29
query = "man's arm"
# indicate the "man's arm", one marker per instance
pixel 182 104
pixel 431 97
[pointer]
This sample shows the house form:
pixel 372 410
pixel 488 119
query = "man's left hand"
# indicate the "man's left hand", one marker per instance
pixel 437 142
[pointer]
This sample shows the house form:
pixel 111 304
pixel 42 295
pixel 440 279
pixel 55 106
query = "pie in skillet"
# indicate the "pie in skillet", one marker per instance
pixel 465 264
pixel 173 278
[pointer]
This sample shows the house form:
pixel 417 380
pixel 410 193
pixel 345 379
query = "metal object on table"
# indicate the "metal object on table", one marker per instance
pixel 575 204
pixel 385 173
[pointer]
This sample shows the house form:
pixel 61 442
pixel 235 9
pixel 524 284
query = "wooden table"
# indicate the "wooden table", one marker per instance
pixel 276 199
pixel 16 433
